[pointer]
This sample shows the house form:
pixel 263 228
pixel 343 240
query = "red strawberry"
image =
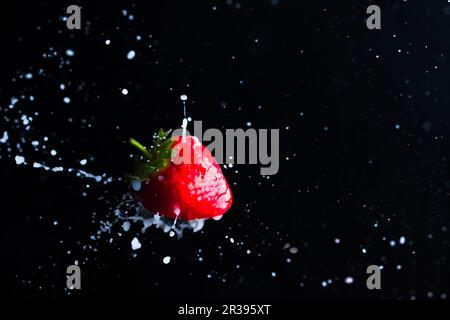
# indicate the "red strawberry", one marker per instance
pixel 181 179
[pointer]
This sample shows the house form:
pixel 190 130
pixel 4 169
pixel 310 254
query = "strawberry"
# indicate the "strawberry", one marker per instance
pixel 180 179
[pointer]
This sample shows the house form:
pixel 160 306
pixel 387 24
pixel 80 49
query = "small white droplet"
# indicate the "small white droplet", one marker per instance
pixel 183 97
pixel 135 244
pixel 83 162
pixel 184 126
pixel 136 185
pixel 70 52
pixel 349 280
pixel 131 54
pixel 5 137
pixel 126 226
pixel 124 92
pixel 66 100
pixel 166 260
pixel 19 160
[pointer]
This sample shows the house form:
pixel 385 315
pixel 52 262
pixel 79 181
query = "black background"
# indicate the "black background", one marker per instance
pixel 363 118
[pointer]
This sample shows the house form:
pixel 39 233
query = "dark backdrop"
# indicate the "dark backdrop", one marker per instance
pixel 363 117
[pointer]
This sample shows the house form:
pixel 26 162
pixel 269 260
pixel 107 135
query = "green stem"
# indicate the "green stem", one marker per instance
pixel 141 148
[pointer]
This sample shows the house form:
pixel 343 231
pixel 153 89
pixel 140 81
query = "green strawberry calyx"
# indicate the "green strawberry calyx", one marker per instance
pixel 155 159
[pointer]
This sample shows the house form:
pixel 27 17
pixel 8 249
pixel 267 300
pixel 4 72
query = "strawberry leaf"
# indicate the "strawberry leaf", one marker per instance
pixel 155 159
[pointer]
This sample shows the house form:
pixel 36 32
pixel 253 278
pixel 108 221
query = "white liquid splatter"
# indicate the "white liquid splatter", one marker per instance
pixel 126 226
pixel 5 137
pixel 135 244
pixel 183 98
pixel 70 53
pixel 80 173
pixel 136 185
pixel 131 54
pixel 166 260
pixel 19 160
pixel 184 126
pixel 130 209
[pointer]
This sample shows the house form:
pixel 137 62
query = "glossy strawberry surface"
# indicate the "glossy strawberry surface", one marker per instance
pixel 191 186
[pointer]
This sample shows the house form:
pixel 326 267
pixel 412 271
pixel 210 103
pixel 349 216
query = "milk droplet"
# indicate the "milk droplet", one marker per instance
pixel 136 185
pixel 19 160
pixel 5 137
pixel 166 260
pixel 184 126
pixel 135 244
pixel 131 54
pixel 126 226
pixel 70 53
